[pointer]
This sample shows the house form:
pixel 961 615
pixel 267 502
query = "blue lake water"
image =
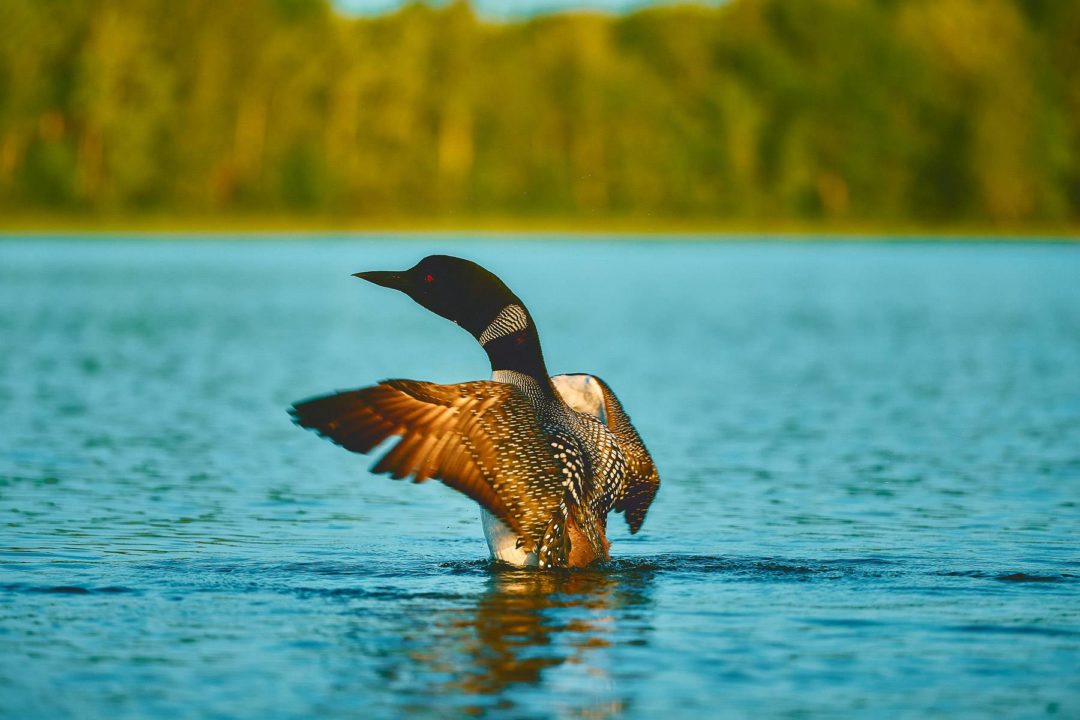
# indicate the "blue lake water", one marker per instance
pixel 870 457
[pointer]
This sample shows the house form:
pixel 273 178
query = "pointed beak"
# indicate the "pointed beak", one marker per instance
pixel 393 280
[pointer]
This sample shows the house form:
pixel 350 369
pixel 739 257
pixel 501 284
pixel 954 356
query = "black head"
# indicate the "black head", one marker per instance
pixel 472 297
pixel 459 290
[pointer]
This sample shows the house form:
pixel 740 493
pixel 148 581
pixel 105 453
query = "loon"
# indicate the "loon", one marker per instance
pixel 546 458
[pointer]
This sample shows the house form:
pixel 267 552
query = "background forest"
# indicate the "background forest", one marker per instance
pixel 879 113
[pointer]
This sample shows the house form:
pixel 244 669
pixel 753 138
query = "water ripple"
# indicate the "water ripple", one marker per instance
pixel 868 507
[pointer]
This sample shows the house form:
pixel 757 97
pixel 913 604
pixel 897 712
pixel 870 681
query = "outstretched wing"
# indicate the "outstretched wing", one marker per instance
pixel 480 438
pixel 642 480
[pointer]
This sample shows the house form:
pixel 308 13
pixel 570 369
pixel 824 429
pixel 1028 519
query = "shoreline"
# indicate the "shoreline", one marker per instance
pixel 279 226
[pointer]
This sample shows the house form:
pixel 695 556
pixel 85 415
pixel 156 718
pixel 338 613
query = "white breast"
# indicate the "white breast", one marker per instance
pixel 582 393
pixel 502 541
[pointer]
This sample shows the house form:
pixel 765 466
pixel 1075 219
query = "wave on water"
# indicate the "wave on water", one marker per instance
pixel 64 589
pixel 338 578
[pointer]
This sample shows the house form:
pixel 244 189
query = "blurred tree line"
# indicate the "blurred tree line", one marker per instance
pixel 876 111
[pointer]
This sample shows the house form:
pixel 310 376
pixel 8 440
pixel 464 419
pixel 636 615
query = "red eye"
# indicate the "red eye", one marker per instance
pixel 429 279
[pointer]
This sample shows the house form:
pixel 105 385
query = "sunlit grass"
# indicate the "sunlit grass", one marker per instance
pixel 284 225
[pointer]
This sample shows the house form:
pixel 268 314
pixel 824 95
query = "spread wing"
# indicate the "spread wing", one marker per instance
pixel 642 480
pixel 480 438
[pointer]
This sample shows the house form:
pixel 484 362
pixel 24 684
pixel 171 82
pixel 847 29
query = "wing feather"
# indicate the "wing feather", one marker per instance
pixel 642 479
pixel 480 438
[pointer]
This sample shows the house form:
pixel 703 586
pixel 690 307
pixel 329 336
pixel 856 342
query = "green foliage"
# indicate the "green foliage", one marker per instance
pixel 844 110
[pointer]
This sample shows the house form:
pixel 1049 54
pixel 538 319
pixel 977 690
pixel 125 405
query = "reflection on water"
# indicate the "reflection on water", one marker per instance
pixel 869 503
pixel 527 622
pixel 524 631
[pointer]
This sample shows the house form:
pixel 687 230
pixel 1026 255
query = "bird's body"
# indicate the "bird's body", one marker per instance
pixel 583 394
pixel 546 458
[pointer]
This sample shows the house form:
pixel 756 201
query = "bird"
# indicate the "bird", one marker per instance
pixel 546 458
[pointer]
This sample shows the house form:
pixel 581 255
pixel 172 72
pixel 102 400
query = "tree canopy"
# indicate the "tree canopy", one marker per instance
pixel 868 111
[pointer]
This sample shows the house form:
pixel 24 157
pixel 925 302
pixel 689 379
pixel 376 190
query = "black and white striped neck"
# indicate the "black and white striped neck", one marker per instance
pixel 513 347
